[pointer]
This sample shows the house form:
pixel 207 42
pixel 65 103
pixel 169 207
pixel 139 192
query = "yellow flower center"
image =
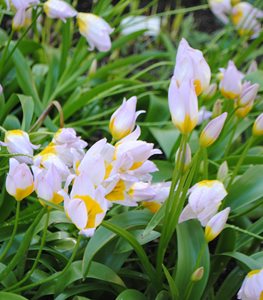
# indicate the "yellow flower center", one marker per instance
pixel 93 209
pixel 118 193
pixel 198 87
pixel 23 193
pixel 253 272
pixel 152 205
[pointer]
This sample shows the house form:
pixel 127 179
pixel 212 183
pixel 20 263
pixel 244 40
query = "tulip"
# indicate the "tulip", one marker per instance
pixel 244 17
pixel 258 126
pixel 249 93
pixel 123 120
pixel 241 112
pixel 22 8
pixel 230 85
pixel 47 184
pixel 204 199
pixel 18 142
pixel 95 30
pixel 94 160
pixel 191 65
pixel 68 137
pixel 203 115
pixel 212 130
pixel 216 224
pixel 183 161
pixel 151 25
pixel 19 180
pixel 86 206
pixel 50 156
pixel 210 91
pixel 221 9
pixel 58 9
pixel 161 190
pixel 252 286
pixel 183 105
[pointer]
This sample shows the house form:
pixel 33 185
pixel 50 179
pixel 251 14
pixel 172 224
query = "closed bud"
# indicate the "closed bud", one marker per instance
pixel 217 108
pixel 123 120
pixel 249 93
pixel 198 274
pixel 183 105
pixel 230 84
pixel 209 92
pixel 258 126
pixel 242 112
pixel 58 9
pixel 212 130
pixel 222 171
pixel 19 180
pixel 191 65
pixel 183 161
pixel 216 224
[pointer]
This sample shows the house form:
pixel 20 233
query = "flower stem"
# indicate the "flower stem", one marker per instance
pixel 54 276
pixel 240 161
pixel 3 254
pixel 37 257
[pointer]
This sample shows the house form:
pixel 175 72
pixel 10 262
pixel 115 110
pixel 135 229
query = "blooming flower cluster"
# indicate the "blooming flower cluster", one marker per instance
pixel 243 15
pixel 96 30
pixel 87 182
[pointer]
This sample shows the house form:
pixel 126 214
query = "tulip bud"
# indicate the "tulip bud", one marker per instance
pixel 19 180
pixel 209 92
pixel 222 171
pixel 212 130
pixel 123 120
pixel 249 93
pixel 191 65
pixel 18 142
pixel 183 105
pixel 183 161
pixel 230 85
pixel 258 126
pixel 217 108
pixel 58 9
pixel 242 111
pixel 198 274
pixel 216 224
pixel 95 30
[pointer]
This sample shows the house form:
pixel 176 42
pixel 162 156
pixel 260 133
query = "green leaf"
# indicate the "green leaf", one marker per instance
pixel 246 190
pixel 246 260
pixel 11 296
pixel 173 288
pixel 256 77
pixel 28 111
pixel 131 295
pixel 165 171
pixel 103 236
pixel 166 137
pixel 188 251
pixel 124 246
